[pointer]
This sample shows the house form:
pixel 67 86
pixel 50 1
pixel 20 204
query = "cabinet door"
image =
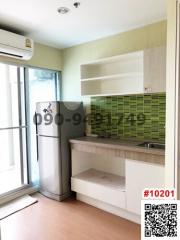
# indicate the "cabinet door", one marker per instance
pixel 141 175
pixel 155 70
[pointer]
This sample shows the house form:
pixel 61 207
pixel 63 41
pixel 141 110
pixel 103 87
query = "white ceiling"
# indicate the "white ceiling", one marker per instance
pixel 94 19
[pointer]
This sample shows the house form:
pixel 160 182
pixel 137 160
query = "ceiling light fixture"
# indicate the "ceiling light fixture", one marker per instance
pixel 63 10
pixel 77 4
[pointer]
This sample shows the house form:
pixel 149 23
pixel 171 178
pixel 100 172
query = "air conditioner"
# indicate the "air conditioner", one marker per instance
pixel 15 46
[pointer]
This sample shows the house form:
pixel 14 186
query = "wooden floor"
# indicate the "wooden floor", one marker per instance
pixel 70 220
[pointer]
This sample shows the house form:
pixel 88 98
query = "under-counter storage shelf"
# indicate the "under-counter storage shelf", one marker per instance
pixel 106 187
pixel 111 175
pixel 132 73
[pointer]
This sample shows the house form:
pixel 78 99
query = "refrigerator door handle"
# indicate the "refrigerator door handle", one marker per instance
pixel 37 147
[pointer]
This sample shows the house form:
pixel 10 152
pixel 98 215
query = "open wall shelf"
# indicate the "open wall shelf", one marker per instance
pixel 132 73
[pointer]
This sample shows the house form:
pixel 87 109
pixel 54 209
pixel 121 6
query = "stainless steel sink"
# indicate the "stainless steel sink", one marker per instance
pixel 152 145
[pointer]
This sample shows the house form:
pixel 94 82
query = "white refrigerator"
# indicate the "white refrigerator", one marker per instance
pixel 56 123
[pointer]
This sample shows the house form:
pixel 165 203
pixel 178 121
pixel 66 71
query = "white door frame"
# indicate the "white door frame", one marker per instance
pixel 172 94
pixel 177 120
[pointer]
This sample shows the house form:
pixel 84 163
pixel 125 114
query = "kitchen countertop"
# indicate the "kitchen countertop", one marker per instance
pixel 127 145
pixel 126 149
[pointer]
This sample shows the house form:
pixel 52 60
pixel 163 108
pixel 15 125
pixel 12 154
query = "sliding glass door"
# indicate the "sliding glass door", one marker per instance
pixel 41 85
pixel 20 89
pixel 13 164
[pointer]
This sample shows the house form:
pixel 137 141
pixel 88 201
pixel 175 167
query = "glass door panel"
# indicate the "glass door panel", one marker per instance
pixel 10 169
pixel 13 166
pixel 9 107
pixel 41 85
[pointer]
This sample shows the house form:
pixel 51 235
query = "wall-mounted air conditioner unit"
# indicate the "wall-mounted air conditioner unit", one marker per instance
pixel 15 46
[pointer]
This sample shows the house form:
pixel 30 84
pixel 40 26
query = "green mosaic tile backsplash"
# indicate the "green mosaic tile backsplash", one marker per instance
pixel 140 117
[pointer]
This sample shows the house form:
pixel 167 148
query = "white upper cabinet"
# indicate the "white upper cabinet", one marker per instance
pixel 155 69
pixel 132 73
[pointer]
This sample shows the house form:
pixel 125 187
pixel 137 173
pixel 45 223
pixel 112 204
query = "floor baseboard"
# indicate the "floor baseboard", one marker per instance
pixel 109 208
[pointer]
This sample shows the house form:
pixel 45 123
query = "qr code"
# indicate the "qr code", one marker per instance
pixel 160 219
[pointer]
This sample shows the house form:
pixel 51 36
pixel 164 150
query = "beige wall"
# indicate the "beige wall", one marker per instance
pixel 137 39
pixel 44 57
pixel 69 59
